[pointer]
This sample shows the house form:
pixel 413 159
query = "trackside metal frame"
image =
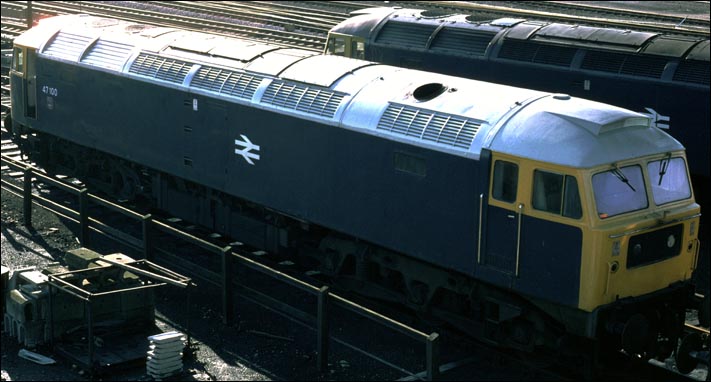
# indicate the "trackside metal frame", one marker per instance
pixel 228 257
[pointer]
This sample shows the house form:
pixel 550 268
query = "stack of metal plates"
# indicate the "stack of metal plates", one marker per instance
pixel 165 354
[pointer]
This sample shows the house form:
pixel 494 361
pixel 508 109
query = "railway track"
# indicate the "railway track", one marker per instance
pixel 305 24
pixel 597 11
pixel 161 16
pixel 290 20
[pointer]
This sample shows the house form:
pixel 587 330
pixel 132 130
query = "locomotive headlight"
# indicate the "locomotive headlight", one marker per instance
pixel 692 228
pixel 616 248
pixel 671 240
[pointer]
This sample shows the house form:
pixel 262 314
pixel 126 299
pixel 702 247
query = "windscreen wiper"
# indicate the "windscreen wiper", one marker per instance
pixel 616 171
pixel 663 167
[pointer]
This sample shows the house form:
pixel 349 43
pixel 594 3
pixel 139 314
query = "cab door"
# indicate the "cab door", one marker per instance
pixel 503 221
pixel 18 84
pixel 22 85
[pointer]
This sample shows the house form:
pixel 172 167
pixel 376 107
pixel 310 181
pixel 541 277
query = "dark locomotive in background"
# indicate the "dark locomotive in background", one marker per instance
pixel 663 76
pixel 524 218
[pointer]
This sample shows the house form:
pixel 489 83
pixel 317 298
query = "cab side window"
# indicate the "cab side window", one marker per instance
pixel 505 181
pixel 358 50
pixel 18 62
pixel 557 194
pixel 337 46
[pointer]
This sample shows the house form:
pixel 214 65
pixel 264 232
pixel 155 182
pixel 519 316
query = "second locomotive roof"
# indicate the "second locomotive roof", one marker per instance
pixel 439 112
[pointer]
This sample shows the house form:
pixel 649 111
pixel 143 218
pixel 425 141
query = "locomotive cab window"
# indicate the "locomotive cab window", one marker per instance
pixel 619 190
pixel 669 180
pixel 358 50
pixel 505 181
pixel 336 46
pixel 556 194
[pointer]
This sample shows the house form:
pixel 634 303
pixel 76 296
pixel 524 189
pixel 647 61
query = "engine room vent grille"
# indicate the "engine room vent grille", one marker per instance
pixel 538 53
pixel 166 69
pixel 395 33
pixel 643 66
pixel 236 84
pixel 463 40
pixel 107 54
pixel 696 72
pixel 303 98
pixel 67 46
pixel 429 125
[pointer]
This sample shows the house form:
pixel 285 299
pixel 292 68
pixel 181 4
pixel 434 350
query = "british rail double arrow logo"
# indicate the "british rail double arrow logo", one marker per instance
pixel 246 151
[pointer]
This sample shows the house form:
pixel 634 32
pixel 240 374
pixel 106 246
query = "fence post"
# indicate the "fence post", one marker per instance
pixel 227 299
pixel 90 333
pixel 323 336
pixel 433 357
pixel 50 314
pixel 27 197
pixel 84 217
pixel 146 221
pixel 29 15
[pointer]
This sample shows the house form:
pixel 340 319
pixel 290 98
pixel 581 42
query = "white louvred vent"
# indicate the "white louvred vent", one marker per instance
pixel 67 46
pixel 312 100
pixel 108 54
pixel 228 82
pixel 429 125
pixel 161 68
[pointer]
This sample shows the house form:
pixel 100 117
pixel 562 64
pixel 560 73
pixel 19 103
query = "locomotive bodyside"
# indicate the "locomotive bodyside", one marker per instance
pixel 440 188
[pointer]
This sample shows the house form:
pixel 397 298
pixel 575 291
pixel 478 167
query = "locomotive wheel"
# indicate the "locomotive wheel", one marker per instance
pixel 635 334
pixel 671 327
pixel 685 363
pixel 125 183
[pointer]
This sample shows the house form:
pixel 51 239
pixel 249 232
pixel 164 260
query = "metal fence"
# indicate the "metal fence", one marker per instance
pixel 229 258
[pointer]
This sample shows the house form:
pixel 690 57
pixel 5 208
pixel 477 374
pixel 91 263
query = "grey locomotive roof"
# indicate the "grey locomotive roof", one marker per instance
pixel 439 112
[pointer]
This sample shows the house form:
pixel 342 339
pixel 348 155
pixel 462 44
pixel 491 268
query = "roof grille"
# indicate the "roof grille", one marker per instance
pixel 429 125
pixel 310 100
pixel 634 65
pixel 397 33
pixel 696 72
pixel 68 46
pixel 108 54
pixel 463 40
pixel 166 69
pixel 538 53
pixel 236 84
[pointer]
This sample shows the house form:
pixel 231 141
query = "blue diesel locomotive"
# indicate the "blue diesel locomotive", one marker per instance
pixel 525 218
pixel 663 76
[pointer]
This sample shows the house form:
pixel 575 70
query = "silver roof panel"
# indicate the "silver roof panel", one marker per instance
pixel 579 133
pixel 329 69
pixel 567 32
pixel 274 62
